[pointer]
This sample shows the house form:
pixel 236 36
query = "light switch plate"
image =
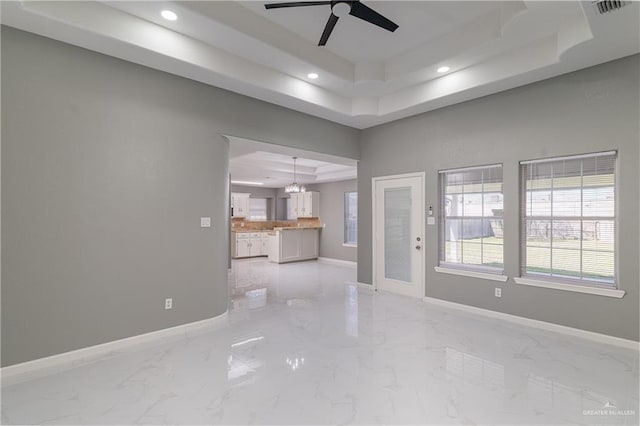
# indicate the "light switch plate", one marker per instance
pixel 431 221
pixel 205 222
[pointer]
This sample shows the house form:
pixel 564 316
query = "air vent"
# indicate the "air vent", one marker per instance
pixel 606 6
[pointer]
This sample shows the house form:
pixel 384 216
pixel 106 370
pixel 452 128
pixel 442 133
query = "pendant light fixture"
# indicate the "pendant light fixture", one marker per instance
pixel 294 186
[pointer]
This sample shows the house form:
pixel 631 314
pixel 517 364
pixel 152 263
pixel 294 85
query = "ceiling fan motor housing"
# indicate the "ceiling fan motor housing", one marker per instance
pixel 341 8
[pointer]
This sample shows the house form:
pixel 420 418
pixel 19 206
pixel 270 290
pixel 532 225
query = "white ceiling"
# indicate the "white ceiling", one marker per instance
pixel 358 41
pixel 368 76
pixel 271 166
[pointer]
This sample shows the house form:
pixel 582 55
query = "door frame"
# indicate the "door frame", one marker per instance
pixel 374 219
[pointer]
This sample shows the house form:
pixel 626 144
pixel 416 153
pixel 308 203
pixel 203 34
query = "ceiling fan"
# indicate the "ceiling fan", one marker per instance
pixel 339 8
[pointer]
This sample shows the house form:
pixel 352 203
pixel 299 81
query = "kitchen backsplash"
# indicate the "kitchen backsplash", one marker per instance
pixel 244 225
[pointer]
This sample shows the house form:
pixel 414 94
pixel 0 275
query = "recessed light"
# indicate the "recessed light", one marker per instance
pixel 169 15
pixel 443 69
pixel 312 75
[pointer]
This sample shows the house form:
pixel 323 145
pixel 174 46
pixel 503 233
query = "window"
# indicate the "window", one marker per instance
pixel 568 219
pixel 351 218
pixel 471 223
pixel 257 209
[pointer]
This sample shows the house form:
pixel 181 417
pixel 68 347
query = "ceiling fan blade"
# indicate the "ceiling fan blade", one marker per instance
pixel 333 19
pixel 365 13
pixel 295 4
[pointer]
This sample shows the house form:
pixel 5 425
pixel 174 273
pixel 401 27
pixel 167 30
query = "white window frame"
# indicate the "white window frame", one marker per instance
pixel 345 241
pixel 580 285
pixel 468 270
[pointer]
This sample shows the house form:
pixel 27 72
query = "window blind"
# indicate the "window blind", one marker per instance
pixel 257 209
pixel 568 219
pixel 471 219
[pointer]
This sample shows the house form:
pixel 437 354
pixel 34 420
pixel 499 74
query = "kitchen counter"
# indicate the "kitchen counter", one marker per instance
pixel 277 228
pixel 287 246
pixel 289 228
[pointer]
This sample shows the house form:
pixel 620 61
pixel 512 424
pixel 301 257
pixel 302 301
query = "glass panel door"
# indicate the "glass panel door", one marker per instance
pixel 397 234
pixel 399 215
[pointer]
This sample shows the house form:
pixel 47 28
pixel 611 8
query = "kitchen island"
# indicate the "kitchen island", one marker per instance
pixel 290 244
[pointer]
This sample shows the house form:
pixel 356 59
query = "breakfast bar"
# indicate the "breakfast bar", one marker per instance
pixel 290 244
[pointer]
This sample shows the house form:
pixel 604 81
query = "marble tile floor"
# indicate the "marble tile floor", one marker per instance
pixel 305 345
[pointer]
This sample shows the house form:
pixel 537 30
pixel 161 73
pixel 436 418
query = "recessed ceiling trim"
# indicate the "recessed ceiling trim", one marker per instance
pixel 575 33
pixel 242 182
pixel 237 16
pixel 539 54
pixel 277 166
pixel 507 46
pixel 106 30
pixel 239 146
pixel 476 33
pixel 271 164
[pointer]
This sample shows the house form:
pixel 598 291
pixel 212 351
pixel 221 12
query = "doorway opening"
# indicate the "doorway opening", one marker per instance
pixel 274 187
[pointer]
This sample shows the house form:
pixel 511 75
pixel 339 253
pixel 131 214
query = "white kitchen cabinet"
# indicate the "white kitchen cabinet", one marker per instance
pixel 296 205
pixel 249 244
pixel 242 246
pixel 255 245
pixel 239 204
pixel 306 204
pixel 264 244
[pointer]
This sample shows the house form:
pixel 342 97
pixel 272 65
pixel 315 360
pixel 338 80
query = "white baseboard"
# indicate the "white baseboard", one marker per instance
pixel 589 335
pixel 338 261
pixel 52 364
pixel 366 286
pixel 363 286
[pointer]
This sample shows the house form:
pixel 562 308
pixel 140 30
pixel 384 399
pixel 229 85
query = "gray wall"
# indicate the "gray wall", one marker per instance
pixel 281 206
pixel 258 192
pixel 107 167
pixel 332 216
pixel 595 109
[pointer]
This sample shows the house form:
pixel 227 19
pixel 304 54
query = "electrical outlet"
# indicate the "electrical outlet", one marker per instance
pixel 168 303
pixel 498 292
pixel 205 222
